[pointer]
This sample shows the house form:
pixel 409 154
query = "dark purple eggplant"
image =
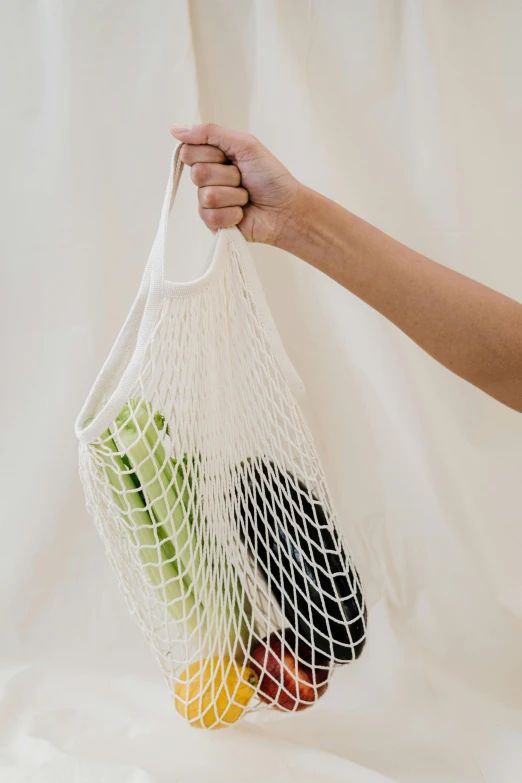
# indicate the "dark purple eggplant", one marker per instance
pixel 301 558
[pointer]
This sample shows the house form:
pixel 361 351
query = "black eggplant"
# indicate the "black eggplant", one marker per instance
pixel 286 531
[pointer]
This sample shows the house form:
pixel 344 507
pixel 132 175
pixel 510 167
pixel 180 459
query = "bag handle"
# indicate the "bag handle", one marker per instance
pixel 153 275
pixel 240 246
pixel 137 327
pixel 142 318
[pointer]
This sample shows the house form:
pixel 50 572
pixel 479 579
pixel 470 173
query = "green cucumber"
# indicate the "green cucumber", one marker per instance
pixel 155 550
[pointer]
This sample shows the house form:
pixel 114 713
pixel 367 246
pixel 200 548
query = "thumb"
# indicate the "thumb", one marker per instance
pixel 234 144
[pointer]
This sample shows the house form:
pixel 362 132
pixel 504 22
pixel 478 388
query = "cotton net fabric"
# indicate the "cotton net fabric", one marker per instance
pixel 208 493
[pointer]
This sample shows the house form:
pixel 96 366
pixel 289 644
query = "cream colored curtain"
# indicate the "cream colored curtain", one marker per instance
pixel 410 115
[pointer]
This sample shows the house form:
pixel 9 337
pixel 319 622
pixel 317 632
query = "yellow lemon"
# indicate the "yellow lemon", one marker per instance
pixel 214 693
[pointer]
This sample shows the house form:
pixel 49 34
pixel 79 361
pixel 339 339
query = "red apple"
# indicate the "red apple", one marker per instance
pixel 287 679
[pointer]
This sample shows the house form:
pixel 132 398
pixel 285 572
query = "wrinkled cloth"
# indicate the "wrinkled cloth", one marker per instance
pixel 409 114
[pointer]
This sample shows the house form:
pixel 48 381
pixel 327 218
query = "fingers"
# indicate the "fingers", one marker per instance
pixel 221 218
pixel 204 153
pixel 203 174
pixel 220 206
pixel 235 144
pixel 217 196
pixel 208 149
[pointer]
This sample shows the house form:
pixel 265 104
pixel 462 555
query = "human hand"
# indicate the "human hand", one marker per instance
pixel 239 181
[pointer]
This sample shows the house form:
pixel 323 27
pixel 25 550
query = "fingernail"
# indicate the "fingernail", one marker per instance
pixel 180 129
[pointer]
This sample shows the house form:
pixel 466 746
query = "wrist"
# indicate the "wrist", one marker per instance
pixel 295 219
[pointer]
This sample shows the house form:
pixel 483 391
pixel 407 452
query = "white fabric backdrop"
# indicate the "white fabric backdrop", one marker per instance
pixel 409 114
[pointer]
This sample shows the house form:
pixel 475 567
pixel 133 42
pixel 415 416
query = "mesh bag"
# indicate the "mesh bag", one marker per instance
pixel 206 489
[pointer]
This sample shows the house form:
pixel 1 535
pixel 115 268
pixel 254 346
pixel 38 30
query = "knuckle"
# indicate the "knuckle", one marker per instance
pixel 199 173
pixel 214 218
pixel 209 197
pixel 185 154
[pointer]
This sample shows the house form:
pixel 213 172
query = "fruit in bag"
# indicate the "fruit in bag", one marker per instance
pixel 214 693
pixel 291 678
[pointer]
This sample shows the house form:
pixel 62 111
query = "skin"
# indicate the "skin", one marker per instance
pixel 472 330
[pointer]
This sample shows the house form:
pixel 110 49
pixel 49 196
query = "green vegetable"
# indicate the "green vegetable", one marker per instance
pixel 155 549
pixel 138 430
pixel 156 495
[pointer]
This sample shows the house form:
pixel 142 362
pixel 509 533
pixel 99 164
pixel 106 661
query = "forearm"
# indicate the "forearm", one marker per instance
pixel 471 329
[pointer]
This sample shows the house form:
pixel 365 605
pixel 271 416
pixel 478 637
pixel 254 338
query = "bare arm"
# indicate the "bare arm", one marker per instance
pixel 472 330
pixel 469 328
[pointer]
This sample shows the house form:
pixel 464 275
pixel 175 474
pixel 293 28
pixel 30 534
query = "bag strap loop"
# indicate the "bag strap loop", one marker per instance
pixel 138 326
pixel 102 405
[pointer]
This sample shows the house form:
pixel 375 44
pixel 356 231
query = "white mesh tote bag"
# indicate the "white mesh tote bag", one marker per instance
pixel 206 489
